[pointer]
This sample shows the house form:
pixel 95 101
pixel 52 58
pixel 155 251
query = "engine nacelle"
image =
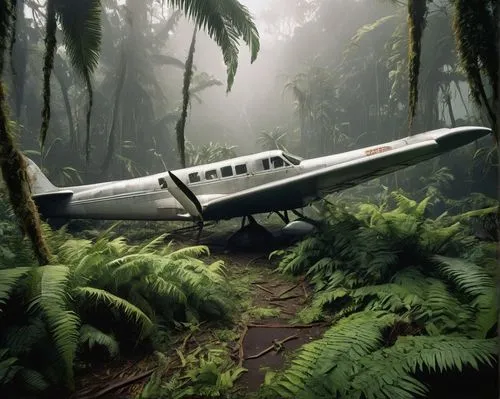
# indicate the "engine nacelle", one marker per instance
pixel 298 228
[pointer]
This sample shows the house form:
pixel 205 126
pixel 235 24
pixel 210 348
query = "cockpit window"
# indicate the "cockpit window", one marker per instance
pixel 162 182
pixel 265 164
pixel 277 162
pixel 211 174
pixel 240 169
pixel 226 171
pixel 194 177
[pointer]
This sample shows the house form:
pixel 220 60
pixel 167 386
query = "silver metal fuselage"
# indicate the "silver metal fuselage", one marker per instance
pixel 148 198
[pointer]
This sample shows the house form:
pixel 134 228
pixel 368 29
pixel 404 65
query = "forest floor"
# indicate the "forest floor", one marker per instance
pixel 263 332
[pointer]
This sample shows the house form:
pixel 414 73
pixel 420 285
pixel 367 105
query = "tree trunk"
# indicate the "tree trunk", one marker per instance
pixel 67 106
pixel 447 99
pixel 14 172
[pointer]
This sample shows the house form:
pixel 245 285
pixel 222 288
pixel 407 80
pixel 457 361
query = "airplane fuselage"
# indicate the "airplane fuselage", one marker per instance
pixel 156 197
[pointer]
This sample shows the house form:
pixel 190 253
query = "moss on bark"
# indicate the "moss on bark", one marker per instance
pixel 14 173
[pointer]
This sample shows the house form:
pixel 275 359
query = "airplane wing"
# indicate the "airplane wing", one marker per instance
pixel 296 192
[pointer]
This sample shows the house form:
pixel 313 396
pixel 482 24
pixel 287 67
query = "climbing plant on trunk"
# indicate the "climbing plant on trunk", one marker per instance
pixel 12 162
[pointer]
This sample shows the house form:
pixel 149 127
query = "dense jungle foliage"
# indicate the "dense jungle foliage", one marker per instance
pixel 406 293
pixel 402 271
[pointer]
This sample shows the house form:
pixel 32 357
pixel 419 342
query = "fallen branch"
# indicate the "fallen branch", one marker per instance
pixel 252 325
pixel 124 383
pixel 276 344
pixel 288 290
pixel 240 346
pixel 185 341
pixel 264 289
pixel 254 259
pixel 285 298
pixel 305 291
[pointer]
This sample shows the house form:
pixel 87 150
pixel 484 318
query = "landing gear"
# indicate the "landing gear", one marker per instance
pixel 200 225
pixel 251 236
pixel 305 218
pixel 284 216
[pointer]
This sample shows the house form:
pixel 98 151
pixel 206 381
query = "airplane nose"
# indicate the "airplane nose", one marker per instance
pixel 457 137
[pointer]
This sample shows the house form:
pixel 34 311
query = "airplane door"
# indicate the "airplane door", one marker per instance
pixel 184 196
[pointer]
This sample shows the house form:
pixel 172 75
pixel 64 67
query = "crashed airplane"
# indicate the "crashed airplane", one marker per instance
pixel 272 181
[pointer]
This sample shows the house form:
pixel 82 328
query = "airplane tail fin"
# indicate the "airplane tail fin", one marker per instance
pixel 40 184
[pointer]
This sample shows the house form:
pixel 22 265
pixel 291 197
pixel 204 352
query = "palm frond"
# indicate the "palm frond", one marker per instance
pixel 161 59
pixel 225 22
pixel 81 27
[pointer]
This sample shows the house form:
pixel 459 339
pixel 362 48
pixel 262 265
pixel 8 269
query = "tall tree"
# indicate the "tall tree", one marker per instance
pixel 225 21
pixel 476 35
pixel 181 123
pixel 12 162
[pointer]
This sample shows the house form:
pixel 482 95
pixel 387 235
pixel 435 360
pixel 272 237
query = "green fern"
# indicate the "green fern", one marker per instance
pixel 389 372
pixel 470 278
pixel 429 276
pixel 8 367
pixel 51 295
pixel 91 336
pixel 102 296
pixel 9 279
pixel 354 337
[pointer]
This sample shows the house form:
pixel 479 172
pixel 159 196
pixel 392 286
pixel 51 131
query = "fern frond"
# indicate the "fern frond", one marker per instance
pixel 387 372
pixel 115 302
pixel 92 336
pixel 154 244
pixel 8 367
pixel 469 277
pixel 444 310
pixel 354 337
pixel 52 297
pixel 72 250
pixel 32 380
pixel 9 278
pixel 20 339
pixel 165 288
pixel 188 252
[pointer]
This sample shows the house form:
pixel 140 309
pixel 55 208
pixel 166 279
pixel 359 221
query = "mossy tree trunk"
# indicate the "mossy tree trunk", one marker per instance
pixel 14 173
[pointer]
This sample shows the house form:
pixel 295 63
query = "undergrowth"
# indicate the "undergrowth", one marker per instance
pixel 406 294
pixel 98 296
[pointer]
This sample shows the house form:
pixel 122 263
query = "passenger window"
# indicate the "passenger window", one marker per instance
pixel 211 174
pixel 226 171
pixel 240 169
pixel 194 177
pixel 277 162
pixel 162 182
pixel 265 164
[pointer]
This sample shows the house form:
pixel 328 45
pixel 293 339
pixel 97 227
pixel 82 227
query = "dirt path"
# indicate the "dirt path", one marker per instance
pixel 268 340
